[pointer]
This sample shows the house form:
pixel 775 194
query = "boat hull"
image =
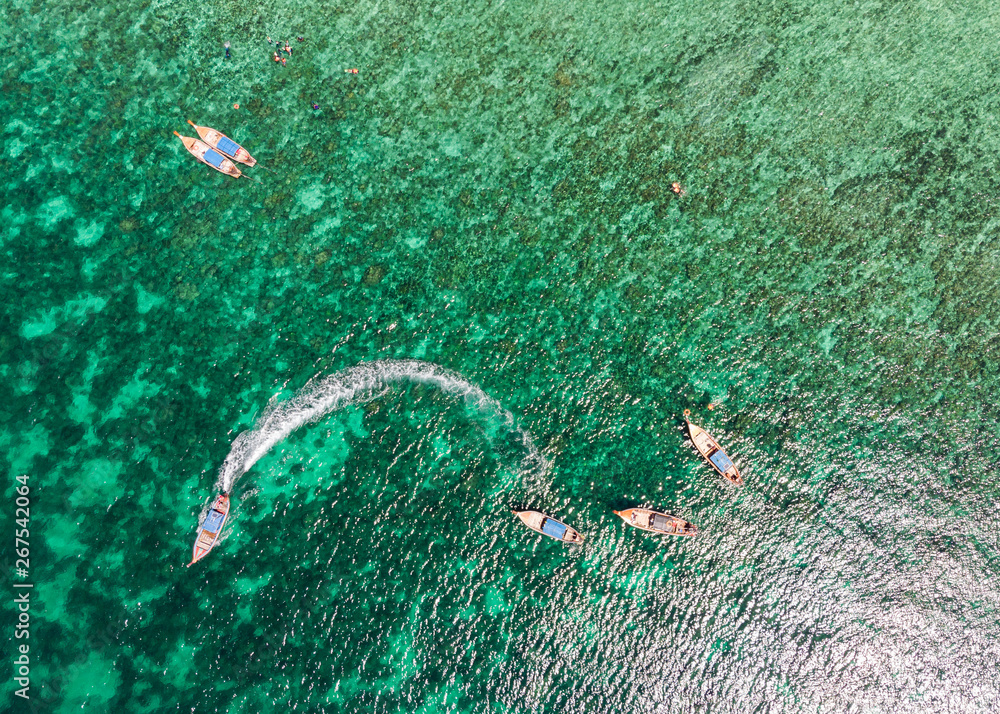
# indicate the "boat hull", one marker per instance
pixel 714 454
pixel 656 522
pixel 540 523
pixel 210 528
pixel 223 144
pixel 201 151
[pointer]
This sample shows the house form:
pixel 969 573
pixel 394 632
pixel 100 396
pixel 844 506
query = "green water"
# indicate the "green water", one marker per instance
pixel 491 194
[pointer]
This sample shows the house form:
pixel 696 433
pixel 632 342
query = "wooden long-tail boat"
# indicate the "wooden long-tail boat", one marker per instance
pixel 541 523
pixel 211 527
pixel 713 453
pixel 207 155
pixel 656 522
pixel 223 144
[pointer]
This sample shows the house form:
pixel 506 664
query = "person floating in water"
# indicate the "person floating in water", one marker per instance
pixel 315 105
pixel 678 189
pixel 226 45
pixel 288 49
pixel 301 39
pixel 351 71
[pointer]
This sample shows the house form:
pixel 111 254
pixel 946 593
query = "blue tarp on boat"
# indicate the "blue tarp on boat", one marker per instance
pixel 720 459
pixel 213 521
pixel 214 158
pixel 553 528
pixel 662 522
pixel 227 146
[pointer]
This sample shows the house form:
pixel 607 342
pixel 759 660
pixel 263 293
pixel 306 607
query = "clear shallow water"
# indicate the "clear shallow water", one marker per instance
pixel 491 194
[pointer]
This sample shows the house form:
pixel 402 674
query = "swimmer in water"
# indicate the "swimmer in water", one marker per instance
pixel 226 45
pixel 351 71
pixel 315 105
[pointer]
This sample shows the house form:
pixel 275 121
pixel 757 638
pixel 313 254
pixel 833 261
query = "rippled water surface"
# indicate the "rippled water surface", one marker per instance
pixel 470 265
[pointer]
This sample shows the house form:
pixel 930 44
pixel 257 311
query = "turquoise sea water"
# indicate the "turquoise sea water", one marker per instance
pixel 491 195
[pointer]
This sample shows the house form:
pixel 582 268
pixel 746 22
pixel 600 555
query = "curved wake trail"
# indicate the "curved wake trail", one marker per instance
pixel 357 385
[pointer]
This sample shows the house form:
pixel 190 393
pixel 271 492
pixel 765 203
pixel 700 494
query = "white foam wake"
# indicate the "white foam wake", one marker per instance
pixel 357 385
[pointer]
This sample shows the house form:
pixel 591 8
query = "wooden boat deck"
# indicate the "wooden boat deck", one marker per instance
pixel 210 528
pixel 656 522
pixel 209 156
pixel 714 454
pixel 223 144
pixel 541 523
